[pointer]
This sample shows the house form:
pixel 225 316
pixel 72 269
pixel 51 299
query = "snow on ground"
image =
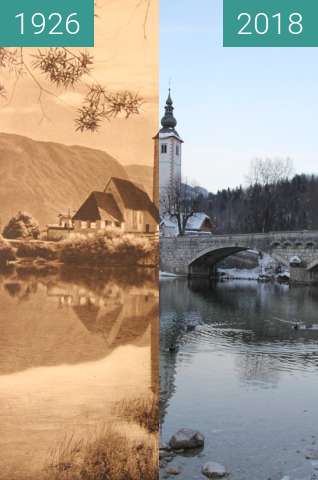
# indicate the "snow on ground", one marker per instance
pixel 167 275
pixel 266 266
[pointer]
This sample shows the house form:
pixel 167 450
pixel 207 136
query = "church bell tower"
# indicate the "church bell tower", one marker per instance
pixel 168 151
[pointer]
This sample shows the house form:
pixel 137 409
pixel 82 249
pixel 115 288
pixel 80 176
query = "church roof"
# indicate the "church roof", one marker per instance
pixel 95 207
pixel 134 197
pixel 168 122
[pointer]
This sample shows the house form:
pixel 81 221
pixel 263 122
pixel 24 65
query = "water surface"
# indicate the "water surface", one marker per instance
pixel 73 344
pixel 244 377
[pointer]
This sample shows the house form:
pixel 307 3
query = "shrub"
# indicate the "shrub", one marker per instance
pixel 109 248
pixel 34 250
pixel 22 225
pixel 7 253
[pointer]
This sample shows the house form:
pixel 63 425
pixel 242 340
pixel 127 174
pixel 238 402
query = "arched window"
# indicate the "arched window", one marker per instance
pixel 164 148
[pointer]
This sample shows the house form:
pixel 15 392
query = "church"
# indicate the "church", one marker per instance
pixel 125 205
pixel 168 174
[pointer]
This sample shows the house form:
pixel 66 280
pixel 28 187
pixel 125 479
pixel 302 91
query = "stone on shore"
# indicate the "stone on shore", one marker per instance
pixel 214 470
pixel 186 439
pixel 173 470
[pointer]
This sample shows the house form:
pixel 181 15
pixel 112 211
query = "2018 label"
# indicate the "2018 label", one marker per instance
pixel 270 23
pixel 262 22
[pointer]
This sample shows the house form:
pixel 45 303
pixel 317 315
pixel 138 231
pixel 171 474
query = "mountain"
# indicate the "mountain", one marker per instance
pixel 142 174
pixel 45 178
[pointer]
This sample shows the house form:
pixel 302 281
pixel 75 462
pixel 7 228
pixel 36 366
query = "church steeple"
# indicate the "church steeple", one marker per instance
pixel 168 120
pixel 168 154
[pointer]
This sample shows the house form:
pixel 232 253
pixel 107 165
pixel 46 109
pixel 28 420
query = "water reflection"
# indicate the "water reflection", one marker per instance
pixel 241 364
pixel 73 343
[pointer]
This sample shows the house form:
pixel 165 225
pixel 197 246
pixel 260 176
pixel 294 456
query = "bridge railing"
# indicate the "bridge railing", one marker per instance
pixel 275 234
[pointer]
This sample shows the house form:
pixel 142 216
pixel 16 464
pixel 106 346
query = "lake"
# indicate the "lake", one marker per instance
pixel 73 345
pixel 244 376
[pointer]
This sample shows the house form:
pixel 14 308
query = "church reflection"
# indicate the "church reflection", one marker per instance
pixel 72 318
pixel 119 316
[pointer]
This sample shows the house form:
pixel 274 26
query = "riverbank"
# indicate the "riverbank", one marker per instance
pixel 109 249
pixel 113 453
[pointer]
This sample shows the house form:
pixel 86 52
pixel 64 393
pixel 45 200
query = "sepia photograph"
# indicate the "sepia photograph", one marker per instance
pixel 79 253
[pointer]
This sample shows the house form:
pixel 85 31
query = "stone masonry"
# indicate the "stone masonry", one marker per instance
pixel 198 255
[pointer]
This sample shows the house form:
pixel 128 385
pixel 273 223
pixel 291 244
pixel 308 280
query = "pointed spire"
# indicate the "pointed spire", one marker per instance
pixel 168 121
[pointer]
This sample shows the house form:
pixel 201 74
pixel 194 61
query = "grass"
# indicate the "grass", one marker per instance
pixel 111 456
pixel 141 410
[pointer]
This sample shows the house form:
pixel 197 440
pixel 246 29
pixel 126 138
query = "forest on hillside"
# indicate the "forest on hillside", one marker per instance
pixel 286 204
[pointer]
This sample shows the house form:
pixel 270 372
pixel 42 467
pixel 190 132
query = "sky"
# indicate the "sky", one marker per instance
pixel 235 104
pixel 123 59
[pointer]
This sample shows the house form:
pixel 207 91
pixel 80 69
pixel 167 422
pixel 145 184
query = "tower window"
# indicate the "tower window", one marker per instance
pixel 164 148
pixel 177 150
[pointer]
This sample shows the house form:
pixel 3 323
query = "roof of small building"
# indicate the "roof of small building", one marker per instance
pixel 194 223
pixel 134 197
pixel 96 205
pixel 197 220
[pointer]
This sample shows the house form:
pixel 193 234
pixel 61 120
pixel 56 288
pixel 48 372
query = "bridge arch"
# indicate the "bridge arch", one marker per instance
pixel 204 262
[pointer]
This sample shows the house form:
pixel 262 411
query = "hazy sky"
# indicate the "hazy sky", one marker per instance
pixel 124 59
pixel 233 105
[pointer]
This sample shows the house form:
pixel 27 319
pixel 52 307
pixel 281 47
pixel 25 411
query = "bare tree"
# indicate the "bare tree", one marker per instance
pixel 269 171
pixel 178 202
pixel 264 177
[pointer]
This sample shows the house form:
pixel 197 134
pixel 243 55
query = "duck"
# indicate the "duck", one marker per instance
pixel 173 348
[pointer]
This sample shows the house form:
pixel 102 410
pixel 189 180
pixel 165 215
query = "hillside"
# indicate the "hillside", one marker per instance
pixel 46 179
pixel 142 174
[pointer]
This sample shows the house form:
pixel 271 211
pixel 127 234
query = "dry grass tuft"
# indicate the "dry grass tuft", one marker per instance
pixel 111 456
pixel 144 411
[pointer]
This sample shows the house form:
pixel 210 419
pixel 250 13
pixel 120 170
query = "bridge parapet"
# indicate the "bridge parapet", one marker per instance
pixel 198 254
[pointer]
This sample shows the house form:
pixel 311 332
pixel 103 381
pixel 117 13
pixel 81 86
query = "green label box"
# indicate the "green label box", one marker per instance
pixel 270 23
pixel 47 23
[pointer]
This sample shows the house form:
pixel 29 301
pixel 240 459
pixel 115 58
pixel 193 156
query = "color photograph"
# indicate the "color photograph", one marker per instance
pixel 238 253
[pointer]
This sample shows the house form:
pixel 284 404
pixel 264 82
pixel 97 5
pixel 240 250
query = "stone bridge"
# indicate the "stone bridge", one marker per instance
pixel 198 255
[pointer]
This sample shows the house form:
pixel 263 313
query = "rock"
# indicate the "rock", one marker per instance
pixel 186 439
pixel 163 463
pixel 164 446
pixel 173 471
pixel 165 454
pixel 311 454
pixel 214 470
